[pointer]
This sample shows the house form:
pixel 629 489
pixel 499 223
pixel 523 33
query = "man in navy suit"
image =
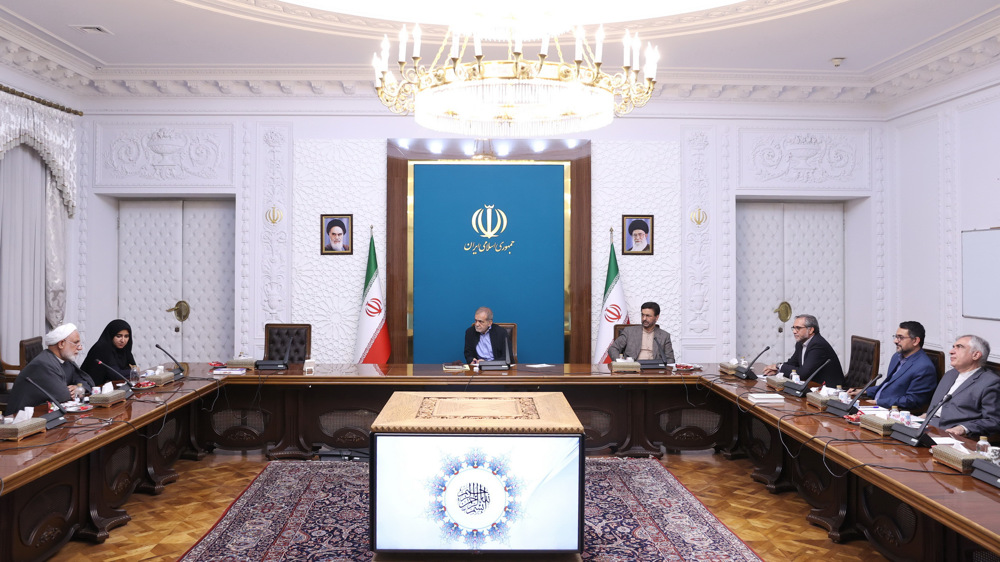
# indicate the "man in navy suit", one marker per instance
pixel 912 377
pixel 484 341
pixel 974 407
pixel 811 352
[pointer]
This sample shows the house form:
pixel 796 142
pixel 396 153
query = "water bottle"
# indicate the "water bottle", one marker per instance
pixel 795 377
pixel 983 446
pixel 842 395
pixel 133 375
pixel 894 413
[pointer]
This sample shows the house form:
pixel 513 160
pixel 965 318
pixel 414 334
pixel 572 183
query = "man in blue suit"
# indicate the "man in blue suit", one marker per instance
pixel 912 377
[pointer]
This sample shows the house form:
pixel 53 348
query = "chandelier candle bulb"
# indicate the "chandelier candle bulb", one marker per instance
pixel 402 44
pixel 378 71
pixel 479 47
pixel 416 41
pixel 385 52
pixel 599 52
pixel 545 46
pixel 626 44
pixel 517 44
pixel 579 45
pixel 454 45
pixel 636 45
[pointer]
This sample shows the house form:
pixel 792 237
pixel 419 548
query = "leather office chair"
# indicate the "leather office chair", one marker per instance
pixel 864 362
pixel 30 348
pixel 511 328
pixel 937 357
pixel 277 338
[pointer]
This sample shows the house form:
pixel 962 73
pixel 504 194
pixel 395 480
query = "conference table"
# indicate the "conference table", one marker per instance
pixel 71 482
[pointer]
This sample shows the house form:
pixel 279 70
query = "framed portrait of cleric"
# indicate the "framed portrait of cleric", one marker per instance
pixel 336 235
pixel 637 235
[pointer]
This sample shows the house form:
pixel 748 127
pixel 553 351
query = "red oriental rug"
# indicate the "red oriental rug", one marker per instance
pixel 634 509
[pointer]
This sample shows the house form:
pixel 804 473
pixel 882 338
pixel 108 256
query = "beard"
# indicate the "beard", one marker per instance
pixel 638 246
pixel 337 247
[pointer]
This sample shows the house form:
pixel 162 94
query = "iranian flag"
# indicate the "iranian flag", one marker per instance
pixel 613 310
pixel 373 335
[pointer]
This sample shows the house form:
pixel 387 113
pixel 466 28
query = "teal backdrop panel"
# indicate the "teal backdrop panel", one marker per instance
pixel 488 235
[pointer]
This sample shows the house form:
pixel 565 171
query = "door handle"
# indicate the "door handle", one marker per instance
pixel 181 310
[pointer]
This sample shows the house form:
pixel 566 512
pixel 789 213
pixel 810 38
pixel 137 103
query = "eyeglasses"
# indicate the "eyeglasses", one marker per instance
pixel 898 337
pixel 797 328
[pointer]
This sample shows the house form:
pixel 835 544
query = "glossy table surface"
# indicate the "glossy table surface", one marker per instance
pixel 956 500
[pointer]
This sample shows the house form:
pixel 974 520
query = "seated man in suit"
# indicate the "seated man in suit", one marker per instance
pixel 484 341
pixel 54 370
pixel 912 377
pixel 974 407
pixel 644 342
pixel 811 352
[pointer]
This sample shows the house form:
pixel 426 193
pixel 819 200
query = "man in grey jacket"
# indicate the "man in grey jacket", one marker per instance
pixel 644 342
pixel 973 408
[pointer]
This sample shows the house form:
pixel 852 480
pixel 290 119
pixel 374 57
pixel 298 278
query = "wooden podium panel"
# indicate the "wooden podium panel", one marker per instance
pixel 477 412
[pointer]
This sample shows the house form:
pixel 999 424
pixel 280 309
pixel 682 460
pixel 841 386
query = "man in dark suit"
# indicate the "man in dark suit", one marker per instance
pixel 54 370
pixel 484 341
pixel 644 342
pixel 974 407
pixel 811 352
pixel 912 377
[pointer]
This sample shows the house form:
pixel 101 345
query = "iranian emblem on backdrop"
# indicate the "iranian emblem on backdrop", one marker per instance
pixel 489 222
pixel 613 313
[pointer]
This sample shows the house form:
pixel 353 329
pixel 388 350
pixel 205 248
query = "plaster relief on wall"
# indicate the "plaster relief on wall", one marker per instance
pixel 697 234
pixel 816 159
pixel 274 248
pixel 174 155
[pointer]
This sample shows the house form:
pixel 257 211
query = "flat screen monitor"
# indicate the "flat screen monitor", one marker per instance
pixel 446 492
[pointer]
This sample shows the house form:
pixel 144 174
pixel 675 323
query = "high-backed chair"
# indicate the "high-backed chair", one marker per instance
pixel 511 328
pixel 277 338
pixel 936 357
pixel 29 349
pixel 864 362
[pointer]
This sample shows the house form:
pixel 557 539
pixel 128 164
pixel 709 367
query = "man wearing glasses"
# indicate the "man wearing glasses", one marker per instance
pixel 973 408
pixel 912 377
pixel 811 352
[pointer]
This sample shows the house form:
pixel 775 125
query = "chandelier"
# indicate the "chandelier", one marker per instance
pixel 518 95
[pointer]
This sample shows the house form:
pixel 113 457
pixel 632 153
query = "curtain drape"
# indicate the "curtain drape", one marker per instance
pixel 23 183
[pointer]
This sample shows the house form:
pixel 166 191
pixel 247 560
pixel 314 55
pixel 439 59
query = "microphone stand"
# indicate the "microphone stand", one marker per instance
pixel 746 373
pixel 839 408
pixel 178 370
pixel 128 383
pixel 916 436
pixel 800 389
pixel 52 419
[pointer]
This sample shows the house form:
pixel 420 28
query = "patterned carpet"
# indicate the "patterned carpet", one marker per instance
pixel 634 509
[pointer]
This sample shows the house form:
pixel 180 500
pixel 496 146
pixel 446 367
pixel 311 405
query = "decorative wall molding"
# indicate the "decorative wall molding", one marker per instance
pixel 951 244
pixel 83 249
pixel 805 159
pixel 698 220
pixel 244 218
pixel 274 197
pixel 908 77
pixel 184 155
pixel 879 212
pixel 724 243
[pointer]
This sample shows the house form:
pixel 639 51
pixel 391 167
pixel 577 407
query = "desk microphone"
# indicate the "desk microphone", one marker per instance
pixel 52 419
pixel 128 383
pixel 841 409
pixel 178 371
pixel 800 390
pixel 746 373
pixel 916 436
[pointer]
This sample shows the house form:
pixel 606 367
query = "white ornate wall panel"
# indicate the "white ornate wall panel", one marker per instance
pixel 788 252
pixel 208 265
pixel 175 155
pixel 150 281
pixel 335 177
pixel 639 178
pixel 804 160
pixel 272 218
pixel 700 225
pixel 950 236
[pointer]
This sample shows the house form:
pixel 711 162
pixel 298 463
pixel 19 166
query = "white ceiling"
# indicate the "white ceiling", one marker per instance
pixel 246 47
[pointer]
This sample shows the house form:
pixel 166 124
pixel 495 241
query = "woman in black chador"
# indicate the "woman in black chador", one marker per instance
pixel 114 349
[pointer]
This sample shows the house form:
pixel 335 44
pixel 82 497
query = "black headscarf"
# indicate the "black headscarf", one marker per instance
pixel 104 350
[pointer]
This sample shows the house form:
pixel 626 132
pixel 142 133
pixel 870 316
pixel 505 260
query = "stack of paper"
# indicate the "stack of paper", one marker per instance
pixel 766 398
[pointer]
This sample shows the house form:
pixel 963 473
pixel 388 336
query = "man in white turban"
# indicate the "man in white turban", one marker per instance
pixel 54 370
